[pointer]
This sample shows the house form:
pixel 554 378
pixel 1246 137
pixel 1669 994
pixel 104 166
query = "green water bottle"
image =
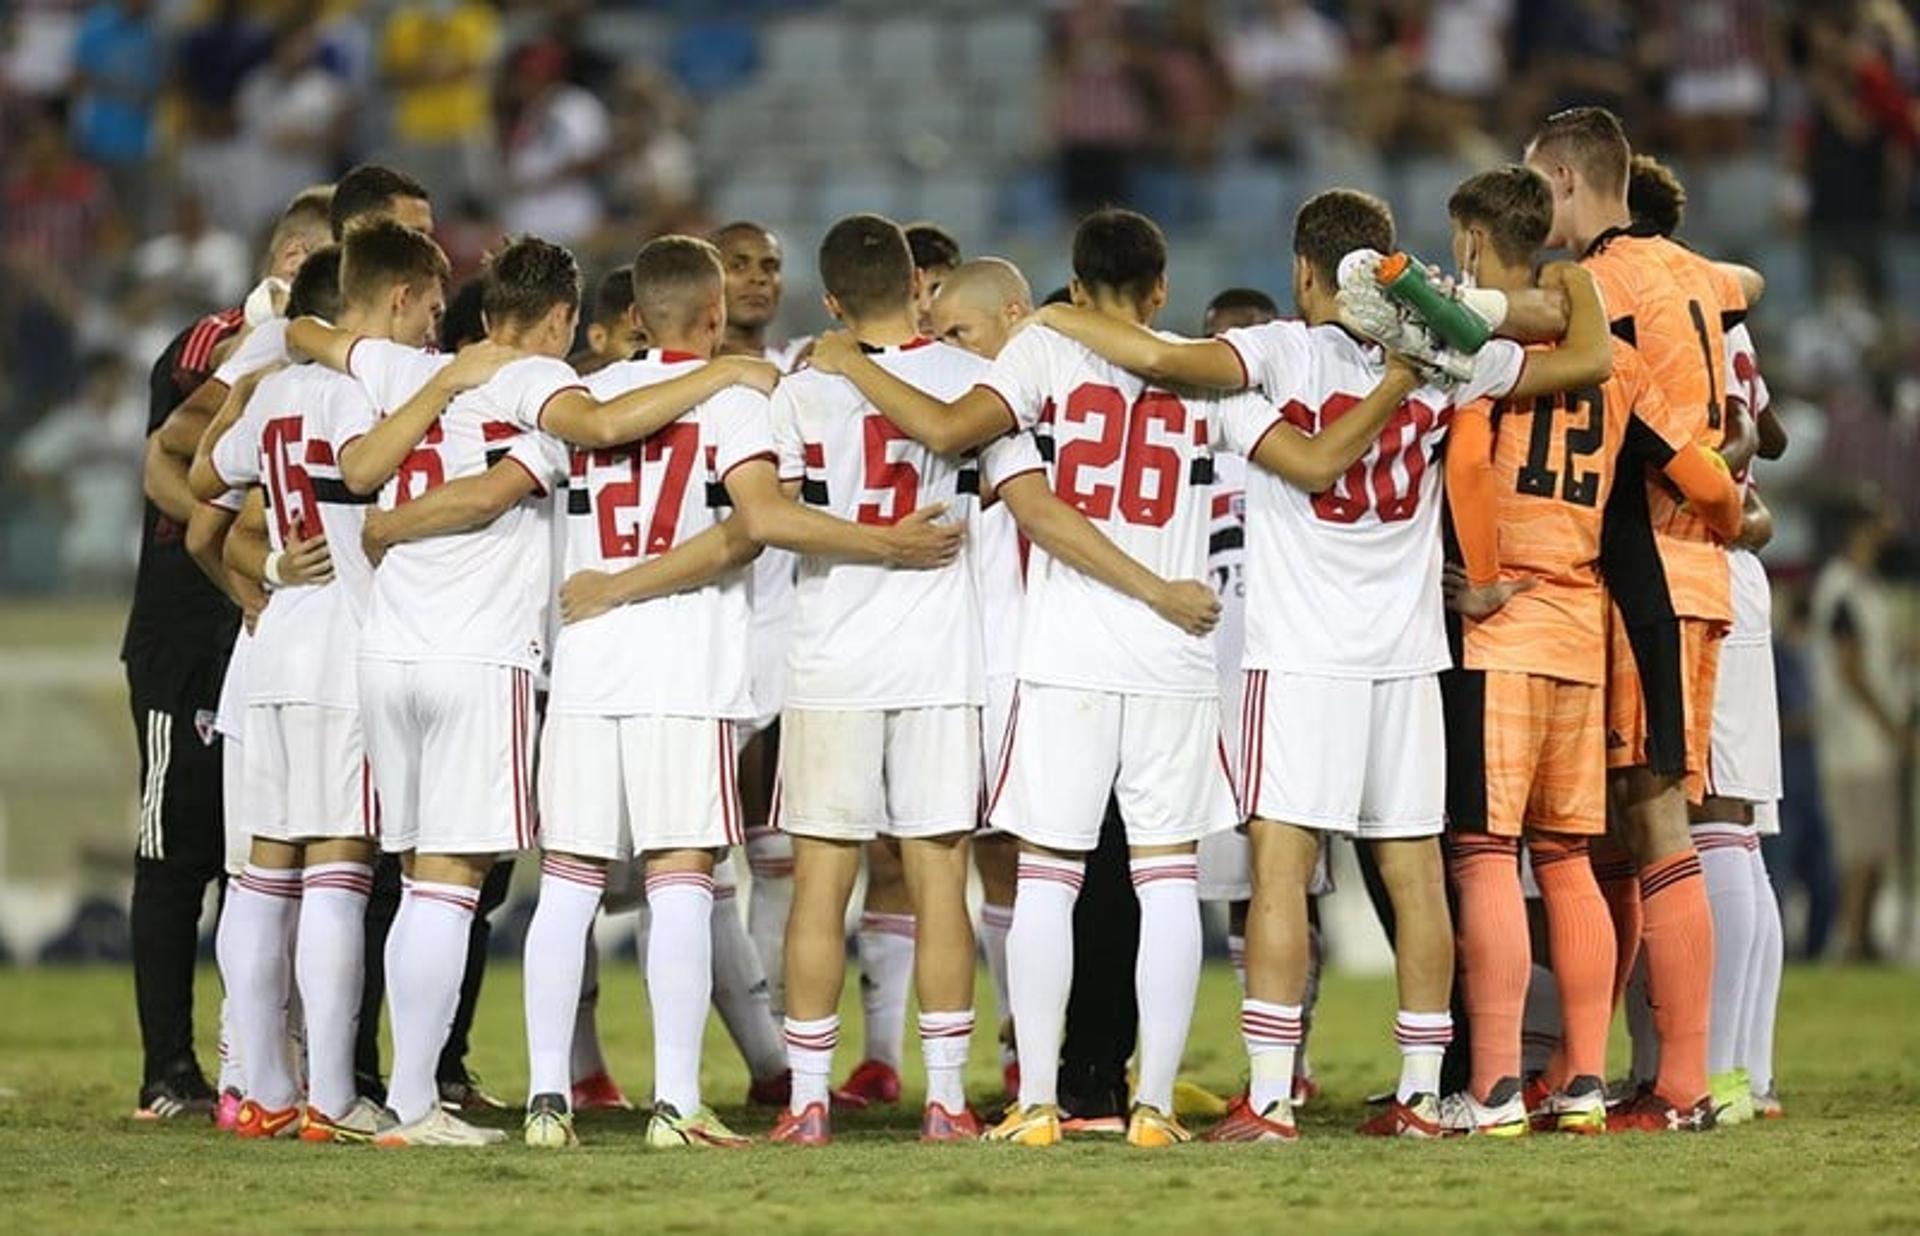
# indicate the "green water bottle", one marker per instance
pixel 1405 281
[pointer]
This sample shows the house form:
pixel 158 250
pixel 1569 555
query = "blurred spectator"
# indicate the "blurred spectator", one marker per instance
pixel 1286 62
pixel 38 60
pixel 1714 55
pixel 469 237
pixel 1863 716
pixel 212 61
pixel 1582 53
pixel 85 456
pixel 1829 346
pixel 117 80
pixel 438 60
pixel 556 140
pixel 654 171
pixel 1801 857
pixel 194 262
pixel 1463 70
pixel 1098 102
pixel 587 66
pixel 1192 87
pixel 293 117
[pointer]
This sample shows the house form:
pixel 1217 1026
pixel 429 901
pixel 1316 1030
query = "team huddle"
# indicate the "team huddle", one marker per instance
pixel 1466 577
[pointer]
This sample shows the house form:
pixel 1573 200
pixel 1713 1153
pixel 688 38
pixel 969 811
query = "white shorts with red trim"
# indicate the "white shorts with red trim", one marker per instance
pixel 305 774
pixel 452 749
pixel 612 787
pixel 1068 750
pixel 902 772
pixel 1361 757
pixel 993 733
pixel 1744 759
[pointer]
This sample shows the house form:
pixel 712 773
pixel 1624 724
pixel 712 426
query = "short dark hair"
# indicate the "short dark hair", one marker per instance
pixel 1513 203
pixel 527 279
pixel 1590 140
pixel 1119 251
pixel 673 278
pixel 310 208
pixel 1059 296
pixel 1335 222
pixel 1655 195
pixel 932 245
pixel 383 253
pixel 613 296
pixel 366 190
pixel 1243 298
pixel 866 266
pixel 316 287
pixel 463 322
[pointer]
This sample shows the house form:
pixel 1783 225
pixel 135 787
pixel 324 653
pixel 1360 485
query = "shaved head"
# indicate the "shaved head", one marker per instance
pixel 978 304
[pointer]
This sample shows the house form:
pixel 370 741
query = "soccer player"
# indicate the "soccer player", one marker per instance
pixel 180 630
pixel 1344 619
pixel 613 331
pixel 936 254
pixel 1529 484
pixel 1236 307
pixel 1118 690
pixel 1671 613
pixel 642 758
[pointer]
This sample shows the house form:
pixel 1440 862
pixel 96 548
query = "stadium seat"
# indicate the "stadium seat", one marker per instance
pixel 711 57
pixel 757 198
pixel 811 49
pixel 1250 200
pixel 847 190
pixel 914 47
pixel 1741 196
pixel 962 201
pixel 1005 45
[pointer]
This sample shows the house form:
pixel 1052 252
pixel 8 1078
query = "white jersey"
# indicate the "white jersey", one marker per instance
pixel 1226 567
pixel 993 545
pixel 864 636
pixel 786 356
pixel 479 595
pixel 680 655
pixel 1752 595
pixel 287 442
pixel 1345 583
pixel 1137 460
pixel 265 344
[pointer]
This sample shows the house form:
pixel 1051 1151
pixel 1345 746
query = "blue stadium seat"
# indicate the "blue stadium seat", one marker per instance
pixel 1252 201
pixel 710 58
pixel 914 47
pixel 1006 45
pixel 812 49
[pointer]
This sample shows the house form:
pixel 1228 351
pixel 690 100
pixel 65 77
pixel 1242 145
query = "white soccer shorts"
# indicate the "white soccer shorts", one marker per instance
pixel 451 744
pixel 854 776
pixel 1226 867
pixel 993 735
pixel 306 774
pixel 1069 749
pixel 233 804
pixel 612 787
pixel 1745 759
pixel 1354 756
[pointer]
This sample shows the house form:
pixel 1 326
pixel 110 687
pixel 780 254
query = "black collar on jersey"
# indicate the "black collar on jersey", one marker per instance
pixel 918 341
pixel 1642 231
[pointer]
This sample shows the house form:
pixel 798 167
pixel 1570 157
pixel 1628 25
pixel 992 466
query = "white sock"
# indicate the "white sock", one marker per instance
pixel 1769 950
pixel 1540 1025
pixel 1272 1033
pixel 225 943
pixel 770 860
pixel 1423 1039
pixel 1040 968
pixel 994 924
pixel 1166 972
pixel 264 904
pixel 679 982
pixel 586 1059
pixel 886 981
pixel 1237 958
pixel 1729 879
pixel 810 1047
pixel 555 968
pixel 740 990
pixel 944 1039
pixel 426 959
pixel 329 962
pixel 1644 1039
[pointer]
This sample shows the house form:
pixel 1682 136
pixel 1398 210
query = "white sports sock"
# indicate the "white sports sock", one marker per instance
pixel 1729 879
pixel 994 923
pixel 329 961
pixel 1423 1039
pixel 225 942
pixel 1237 958
pixel 264 904
pixel 586 1059
pixel 1272 1033
pixel 555 968
pixel 770 860
pixel 944 1039
pixel 740 990
pixel 1166 971
pixel 679 982
pixel 1764 1002
pixel 1040 967
pixel 810 1047
pixel 1642 1036
pixel 426 958
pixel 886 982
pixel 1540 1026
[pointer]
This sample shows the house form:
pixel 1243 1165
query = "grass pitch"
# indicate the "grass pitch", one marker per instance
pixel 1843 1161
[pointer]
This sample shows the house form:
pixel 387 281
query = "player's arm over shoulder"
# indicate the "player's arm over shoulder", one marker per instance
pixel 1656 436
pixel 1585 356
pixel 945 427
pixel 1210 364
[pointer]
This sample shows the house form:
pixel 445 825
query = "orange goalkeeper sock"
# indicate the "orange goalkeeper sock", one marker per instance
pixel 1495 960
pixel 1679 944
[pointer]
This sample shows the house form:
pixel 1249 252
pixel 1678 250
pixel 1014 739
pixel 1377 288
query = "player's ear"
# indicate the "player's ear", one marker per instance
pixel 832 305
pixel 1077 292
pixel 1158 297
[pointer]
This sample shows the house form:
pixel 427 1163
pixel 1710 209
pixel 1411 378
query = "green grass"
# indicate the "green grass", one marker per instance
pixel 1842 1162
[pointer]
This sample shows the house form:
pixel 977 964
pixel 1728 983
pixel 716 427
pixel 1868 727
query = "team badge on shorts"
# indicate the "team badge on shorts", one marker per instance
pixel 204 723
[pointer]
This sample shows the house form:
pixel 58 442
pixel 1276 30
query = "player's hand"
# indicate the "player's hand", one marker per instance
pixel 373 537
pixel 1482 601
pixel 476 364
pixel 1188 604
pixel 751 371
pixel 587 594
pixel 833 351
pixel 920 544
pixel 306 561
